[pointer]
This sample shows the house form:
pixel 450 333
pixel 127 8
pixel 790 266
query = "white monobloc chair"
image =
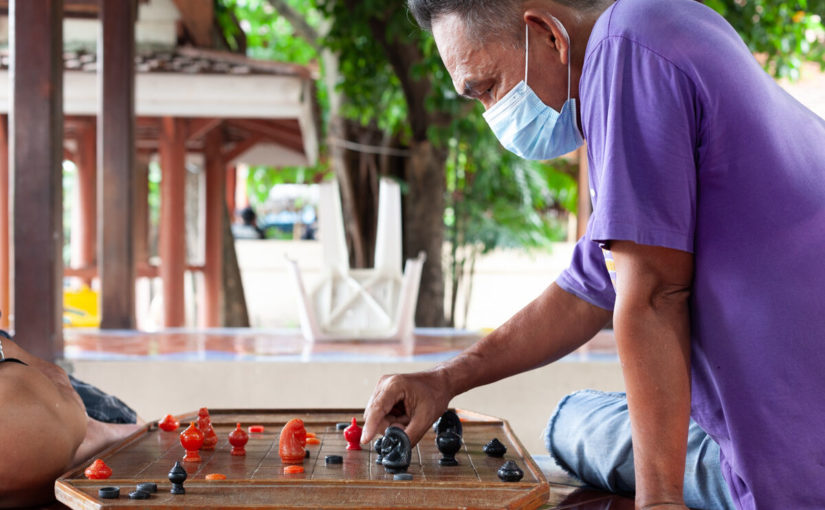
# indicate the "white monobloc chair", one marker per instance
pixel 363 304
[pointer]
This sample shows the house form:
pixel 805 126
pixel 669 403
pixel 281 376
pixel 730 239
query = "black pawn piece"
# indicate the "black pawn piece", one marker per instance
pixel 139 495
pixel 108 492
pixel 396 450
pixel 448 422
pixel 377 447
pixel 404 477
pixel 306 454
pixel 177 476
pixel 448 444
pixel 510 472
pixel 149 487
pixel 494 448
pixel 341 426
pixel 333 459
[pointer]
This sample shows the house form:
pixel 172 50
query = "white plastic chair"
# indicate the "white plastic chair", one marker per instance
pixel 364 304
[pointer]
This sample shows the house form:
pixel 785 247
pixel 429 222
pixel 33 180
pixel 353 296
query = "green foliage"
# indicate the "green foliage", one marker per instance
pixel 787 33
pixel 261 179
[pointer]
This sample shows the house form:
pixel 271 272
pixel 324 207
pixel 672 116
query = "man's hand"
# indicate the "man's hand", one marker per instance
pixel 410 401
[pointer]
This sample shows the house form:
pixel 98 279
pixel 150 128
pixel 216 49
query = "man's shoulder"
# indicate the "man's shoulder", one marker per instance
pixel 659 25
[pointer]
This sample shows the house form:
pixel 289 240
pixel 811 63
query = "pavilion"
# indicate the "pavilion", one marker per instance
pixel 184 100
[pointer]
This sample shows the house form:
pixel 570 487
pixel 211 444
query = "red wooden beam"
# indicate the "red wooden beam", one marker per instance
pixel 198 128
pixel 215 207
pixel 116 144
pixel 84 231
pixel 173 220
pixel 37 141
pixel 5 280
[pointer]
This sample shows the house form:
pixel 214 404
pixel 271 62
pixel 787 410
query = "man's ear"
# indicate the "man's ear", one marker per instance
pixel 550 32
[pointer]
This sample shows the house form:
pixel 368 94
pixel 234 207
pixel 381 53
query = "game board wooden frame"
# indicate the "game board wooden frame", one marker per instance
pixel 148 454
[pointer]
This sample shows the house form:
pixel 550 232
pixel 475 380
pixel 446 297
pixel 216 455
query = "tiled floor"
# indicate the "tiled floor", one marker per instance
pixel 239 344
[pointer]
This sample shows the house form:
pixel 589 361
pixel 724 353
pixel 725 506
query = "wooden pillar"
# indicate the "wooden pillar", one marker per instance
pixel 141 228
pixel 173 220
pixel 5 211
pixel 116 156
pixel 584 205
pixel 84 231
pixel 231 179
pixel 37 155
pixel 212 308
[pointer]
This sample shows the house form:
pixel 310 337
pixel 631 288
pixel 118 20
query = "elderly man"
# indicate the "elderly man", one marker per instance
pixel 48 423
pixel 705 245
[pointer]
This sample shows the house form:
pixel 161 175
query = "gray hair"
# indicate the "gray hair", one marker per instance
pixel 484 17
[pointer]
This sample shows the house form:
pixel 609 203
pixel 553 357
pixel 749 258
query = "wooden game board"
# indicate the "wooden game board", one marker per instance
pixel 257 480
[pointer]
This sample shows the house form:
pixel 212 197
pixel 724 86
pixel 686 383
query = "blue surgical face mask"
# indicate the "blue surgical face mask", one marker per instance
pixel 529 128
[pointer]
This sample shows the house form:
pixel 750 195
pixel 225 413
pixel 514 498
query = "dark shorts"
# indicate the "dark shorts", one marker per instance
pixel 101 406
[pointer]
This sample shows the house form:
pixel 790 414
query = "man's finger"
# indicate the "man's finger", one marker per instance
pixel 419 424
pixel 380 405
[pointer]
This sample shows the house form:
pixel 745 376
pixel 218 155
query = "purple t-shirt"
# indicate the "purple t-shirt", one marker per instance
pixel 692 146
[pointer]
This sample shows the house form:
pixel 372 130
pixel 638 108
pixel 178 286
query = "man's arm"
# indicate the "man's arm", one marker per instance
pixel 551 326
pixel 652 326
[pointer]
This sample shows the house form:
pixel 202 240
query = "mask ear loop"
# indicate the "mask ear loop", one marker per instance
pixel 526 49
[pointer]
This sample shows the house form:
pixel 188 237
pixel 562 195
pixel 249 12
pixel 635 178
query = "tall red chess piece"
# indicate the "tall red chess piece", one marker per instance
pixel 353 436
pixel 238 439
pixel 191 439
pixel 292 442
pixel 210 439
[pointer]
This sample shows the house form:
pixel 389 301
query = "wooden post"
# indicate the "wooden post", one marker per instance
pixel 116 156
pixel 84 235
pixel 212 308
pixel 583 206
pixel 231 179
pixel 141 228
pixel 37 155
pixel 5 211
pixel 173 220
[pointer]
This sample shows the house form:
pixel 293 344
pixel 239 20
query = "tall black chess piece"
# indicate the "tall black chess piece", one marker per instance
pixel 448 444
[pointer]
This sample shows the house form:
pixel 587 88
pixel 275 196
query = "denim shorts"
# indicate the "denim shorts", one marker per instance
pixel 589 436
pixel 101 406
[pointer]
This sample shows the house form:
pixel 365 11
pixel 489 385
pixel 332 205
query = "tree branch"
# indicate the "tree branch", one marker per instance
pixel 298 22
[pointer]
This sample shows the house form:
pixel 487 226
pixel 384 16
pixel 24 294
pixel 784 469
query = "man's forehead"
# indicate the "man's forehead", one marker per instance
pixel 464 59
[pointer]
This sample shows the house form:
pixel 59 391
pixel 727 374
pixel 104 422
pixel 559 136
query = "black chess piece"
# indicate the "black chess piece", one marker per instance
pixel 177 476
pixel 448 421
pixel 510 472
pixel 494 448
pixel 448 444
pixel 396 450
pixel 377 447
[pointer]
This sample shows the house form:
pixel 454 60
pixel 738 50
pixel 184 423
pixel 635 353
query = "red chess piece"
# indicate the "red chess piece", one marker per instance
pixel 292 442
pixel 238 438
pixel 98 470
pixel 353 436
pixel 210 439
pixel 203 418
pixel 191 439
pixel 168 423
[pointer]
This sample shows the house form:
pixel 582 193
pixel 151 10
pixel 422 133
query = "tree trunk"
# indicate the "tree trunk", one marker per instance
pixel 424 227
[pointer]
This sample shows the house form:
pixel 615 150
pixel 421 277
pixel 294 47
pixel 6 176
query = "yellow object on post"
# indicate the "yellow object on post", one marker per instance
pixel 81 308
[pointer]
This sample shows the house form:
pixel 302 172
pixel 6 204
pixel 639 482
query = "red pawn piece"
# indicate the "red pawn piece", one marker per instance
pixel 191 439
pixel 292 442
pixel 238 438
pixel 353 436
pixel 169 423
pixel 98 470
